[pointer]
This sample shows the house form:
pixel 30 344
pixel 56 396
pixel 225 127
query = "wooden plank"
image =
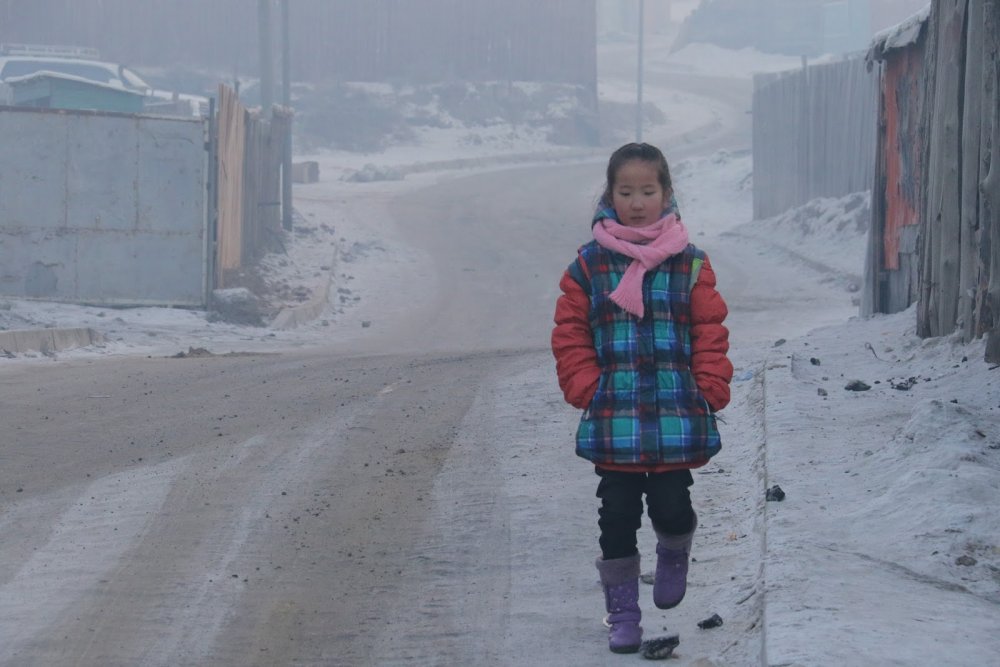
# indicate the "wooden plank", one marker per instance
pixel 929 229
pixel 989 188
pixel 872 300
pixel 231 123
pixel 970 160
pixel 251 192
pixel 944 200
pixel 952 51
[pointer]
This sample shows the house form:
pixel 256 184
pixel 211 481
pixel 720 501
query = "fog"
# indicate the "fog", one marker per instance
pixel 353 449
pixel 480 65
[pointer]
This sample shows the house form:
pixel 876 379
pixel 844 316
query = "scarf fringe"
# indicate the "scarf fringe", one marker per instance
pixel 630 302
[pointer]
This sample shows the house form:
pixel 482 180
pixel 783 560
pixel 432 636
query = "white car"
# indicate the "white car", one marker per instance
pixel 18 60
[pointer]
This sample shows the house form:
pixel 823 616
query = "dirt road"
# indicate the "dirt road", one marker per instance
pixel 230 510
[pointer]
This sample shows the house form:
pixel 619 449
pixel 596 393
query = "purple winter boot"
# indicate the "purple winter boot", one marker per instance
pixel 672 553
pixel 620 580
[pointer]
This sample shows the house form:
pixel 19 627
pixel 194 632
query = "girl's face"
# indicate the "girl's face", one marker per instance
pixel 637 196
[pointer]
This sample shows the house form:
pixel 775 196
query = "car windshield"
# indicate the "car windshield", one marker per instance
pixel 131 78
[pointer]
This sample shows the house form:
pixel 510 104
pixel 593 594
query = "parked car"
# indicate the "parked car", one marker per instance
pixel 21 60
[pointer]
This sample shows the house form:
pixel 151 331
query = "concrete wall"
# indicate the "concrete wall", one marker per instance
pixel 103 208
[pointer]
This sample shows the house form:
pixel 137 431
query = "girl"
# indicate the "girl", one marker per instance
pixel 640 347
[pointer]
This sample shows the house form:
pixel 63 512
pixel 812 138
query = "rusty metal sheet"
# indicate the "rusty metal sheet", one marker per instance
pixel 902 88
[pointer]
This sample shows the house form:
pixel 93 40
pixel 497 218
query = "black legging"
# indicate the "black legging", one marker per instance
pixel 667 499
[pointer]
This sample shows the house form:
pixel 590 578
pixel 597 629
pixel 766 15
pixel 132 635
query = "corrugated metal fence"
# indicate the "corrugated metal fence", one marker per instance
pixel 813 134
pixel 373 40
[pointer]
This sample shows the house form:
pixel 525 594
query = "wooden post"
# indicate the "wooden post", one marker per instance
pixel 639 74
pixel 212 208
pixel 872 296
pixel 286 101
pixel 945 153
pixel 928 226
pixel 989 186
pixel 286 57
pixel 971 127
pixel 231 183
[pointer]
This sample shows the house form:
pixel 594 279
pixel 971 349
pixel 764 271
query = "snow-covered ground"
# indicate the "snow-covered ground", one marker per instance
pixel 886 548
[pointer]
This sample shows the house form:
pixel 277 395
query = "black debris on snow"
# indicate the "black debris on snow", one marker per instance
pixel 660 648
pixel 713 621
pixel 774 494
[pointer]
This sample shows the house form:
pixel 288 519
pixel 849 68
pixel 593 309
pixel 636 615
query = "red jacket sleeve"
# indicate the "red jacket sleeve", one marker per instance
pixel 710 340
pixel 573 345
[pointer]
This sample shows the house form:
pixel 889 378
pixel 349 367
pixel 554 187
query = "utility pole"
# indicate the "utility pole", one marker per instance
pixel 286 101
pixel 266 60
pixel 638 85
pixel 286 57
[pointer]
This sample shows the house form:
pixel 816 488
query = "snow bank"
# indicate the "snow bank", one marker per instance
pixel 829 233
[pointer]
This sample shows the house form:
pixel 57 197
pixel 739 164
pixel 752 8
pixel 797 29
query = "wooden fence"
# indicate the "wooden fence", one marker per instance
pixel 813 134
pixel 370 40
pixel 953 147
pixel 250 195
pixel 960 259
pixel 231 137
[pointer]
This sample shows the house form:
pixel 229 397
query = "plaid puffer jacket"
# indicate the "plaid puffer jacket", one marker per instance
pixel 649 388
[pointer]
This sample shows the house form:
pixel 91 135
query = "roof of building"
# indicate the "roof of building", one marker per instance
pixel 898 36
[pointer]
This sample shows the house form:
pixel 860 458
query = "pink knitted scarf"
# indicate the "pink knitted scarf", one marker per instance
pixel 648 247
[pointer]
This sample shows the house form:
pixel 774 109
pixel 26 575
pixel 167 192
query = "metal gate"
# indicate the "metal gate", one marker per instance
pixel 103 208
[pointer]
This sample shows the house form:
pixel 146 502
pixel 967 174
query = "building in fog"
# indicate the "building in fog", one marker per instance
pixel 331 40
pixel 795 27
pixel 620 17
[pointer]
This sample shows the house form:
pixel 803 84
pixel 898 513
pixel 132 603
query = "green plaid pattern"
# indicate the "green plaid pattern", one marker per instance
pixel 647 409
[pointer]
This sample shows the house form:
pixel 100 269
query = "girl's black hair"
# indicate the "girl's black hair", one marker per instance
pixel 634 151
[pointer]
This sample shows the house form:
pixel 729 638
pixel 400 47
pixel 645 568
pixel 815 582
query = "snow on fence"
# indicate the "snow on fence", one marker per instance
pixel 813 134
pixel 956 195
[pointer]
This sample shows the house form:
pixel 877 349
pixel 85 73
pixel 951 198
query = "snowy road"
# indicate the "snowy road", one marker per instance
pixel 417 505
pixel 232 510
pixel 317 508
